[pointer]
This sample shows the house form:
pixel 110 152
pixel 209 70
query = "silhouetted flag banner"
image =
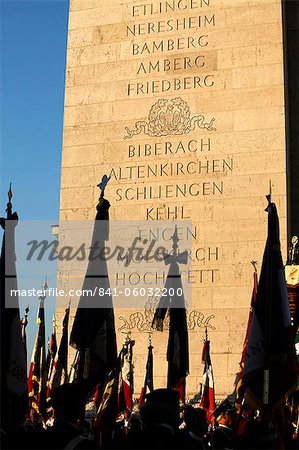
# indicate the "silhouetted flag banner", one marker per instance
pixel 93 332
pixel 269 370
pixel 149 376
pixel 14 396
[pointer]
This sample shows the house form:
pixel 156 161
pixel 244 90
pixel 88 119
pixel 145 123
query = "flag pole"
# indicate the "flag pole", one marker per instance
pixel 9 204
pixel 268 308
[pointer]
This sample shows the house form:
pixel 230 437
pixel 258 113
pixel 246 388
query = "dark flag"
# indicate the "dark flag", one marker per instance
pixel 93 332
pixel 269 365
pixel 59 374
pixel 245 344
pixel 37 378
pixel 24 323
pixel 14 396
pixel 178 346
pixel 207 401
pixel 149 376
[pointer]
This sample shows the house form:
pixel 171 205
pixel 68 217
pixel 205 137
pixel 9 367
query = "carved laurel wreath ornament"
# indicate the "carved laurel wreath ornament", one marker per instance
pixel 170 117
pixel 142 321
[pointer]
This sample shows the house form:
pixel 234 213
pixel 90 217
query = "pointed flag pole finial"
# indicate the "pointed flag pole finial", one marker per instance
pixel 206 334
pixel 175 240
pixel 102 185
pixel 269 196
pixel 254 263
pixel 42 297
pixel 9 204
pixel 45 285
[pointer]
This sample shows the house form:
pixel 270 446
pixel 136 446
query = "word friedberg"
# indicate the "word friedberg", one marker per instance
pixel 174 84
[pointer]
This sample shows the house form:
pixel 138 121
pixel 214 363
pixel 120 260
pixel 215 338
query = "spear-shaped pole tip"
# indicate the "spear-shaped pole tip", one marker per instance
pixel 102 185
pixel 9 193
pixel 254 263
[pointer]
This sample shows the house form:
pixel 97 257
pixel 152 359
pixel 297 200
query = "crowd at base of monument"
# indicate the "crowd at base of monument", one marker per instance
pixel 159 423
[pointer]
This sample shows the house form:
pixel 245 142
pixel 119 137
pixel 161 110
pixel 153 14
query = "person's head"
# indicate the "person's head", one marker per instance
pixel 67 402
pixel 196 420
pixel 161 407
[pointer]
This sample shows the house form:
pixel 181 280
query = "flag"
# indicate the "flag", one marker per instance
pixel 178 346
pixel 149 378
pixel 14 396
pixel 245 344
pixel 207 401
pixel 107 412
pixel 52 350
pixel 59 373
pixel 24 323
pixel 127 373
pixel 269 365
pixel 73 375
pixel 93 331
pixel 37 373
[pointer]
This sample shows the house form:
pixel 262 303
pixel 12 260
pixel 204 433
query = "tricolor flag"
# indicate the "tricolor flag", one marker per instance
pixel 14 396
pixel 269 370
pixel 127 374
pixel 207 401
pixel 245 344
pixel 149 378
pixel 37 373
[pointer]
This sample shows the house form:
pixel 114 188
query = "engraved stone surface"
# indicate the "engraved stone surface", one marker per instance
pixel 181 103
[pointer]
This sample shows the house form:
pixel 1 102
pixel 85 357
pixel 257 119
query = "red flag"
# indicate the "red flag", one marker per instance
pixel 207 388
pixel 245 344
